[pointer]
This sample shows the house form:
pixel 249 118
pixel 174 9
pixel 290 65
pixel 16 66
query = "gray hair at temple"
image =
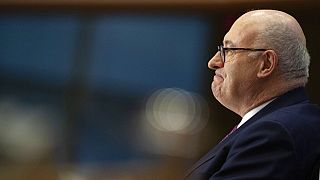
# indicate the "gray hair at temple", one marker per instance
pixel 294 59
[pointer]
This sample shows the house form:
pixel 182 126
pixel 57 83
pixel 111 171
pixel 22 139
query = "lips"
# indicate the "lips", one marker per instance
pixel 218 77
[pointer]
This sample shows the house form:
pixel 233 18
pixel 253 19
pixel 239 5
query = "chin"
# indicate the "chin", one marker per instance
pixel 216 93
pixel 219 96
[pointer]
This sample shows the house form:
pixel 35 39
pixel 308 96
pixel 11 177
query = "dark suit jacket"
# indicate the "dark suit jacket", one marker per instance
pixel 282 141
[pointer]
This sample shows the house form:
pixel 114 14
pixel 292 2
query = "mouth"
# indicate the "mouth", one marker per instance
pixel 218 77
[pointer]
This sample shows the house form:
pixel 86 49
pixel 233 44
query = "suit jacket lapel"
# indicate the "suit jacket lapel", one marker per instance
pixel 211 154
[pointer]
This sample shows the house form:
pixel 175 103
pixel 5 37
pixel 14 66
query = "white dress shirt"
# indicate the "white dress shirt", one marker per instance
pixel 252 112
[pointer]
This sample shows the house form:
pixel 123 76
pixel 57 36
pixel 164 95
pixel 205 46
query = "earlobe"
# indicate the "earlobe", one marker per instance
pixel 268 64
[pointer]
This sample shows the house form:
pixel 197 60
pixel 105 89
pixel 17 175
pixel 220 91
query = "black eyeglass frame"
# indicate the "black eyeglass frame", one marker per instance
pixel 222 51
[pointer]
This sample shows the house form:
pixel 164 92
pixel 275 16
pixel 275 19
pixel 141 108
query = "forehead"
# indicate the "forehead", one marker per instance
pixel 242 33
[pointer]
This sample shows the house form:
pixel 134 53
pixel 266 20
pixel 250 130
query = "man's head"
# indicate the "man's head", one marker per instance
pixel 276 60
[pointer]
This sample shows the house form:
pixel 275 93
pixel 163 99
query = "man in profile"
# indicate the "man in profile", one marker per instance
pixel 260 73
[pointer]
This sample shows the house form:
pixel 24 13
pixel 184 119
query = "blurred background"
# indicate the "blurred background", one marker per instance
pixel 118 89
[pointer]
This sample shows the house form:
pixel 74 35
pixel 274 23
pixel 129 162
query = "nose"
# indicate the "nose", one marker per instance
pixel 215 62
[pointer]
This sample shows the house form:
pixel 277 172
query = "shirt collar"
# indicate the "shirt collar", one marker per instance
pixel 252 112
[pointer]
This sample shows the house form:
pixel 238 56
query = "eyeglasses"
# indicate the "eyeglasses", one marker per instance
pixel 222 51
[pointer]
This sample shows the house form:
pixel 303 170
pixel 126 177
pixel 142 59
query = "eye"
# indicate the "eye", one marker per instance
pixel 229 52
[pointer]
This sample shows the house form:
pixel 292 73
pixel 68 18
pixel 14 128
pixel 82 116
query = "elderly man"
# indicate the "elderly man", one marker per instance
pixel 260 73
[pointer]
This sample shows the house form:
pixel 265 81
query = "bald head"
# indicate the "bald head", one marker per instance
pixel 261 19
pixel 279 31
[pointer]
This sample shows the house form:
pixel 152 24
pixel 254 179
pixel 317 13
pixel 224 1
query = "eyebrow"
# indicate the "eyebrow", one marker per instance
pixel 228 43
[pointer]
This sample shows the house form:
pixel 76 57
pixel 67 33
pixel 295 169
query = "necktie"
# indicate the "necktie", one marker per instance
pixel 234 128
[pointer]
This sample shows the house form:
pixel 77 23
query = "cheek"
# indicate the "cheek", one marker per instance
pixel 234 81
pixel 230 86
pixel 241 80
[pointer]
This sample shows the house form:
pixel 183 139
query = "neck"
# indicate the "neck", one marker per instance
pixel 263 94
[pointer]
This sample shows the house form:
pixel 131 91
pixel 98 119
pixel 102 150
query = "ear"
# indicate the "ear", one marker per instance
pixel 268 64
